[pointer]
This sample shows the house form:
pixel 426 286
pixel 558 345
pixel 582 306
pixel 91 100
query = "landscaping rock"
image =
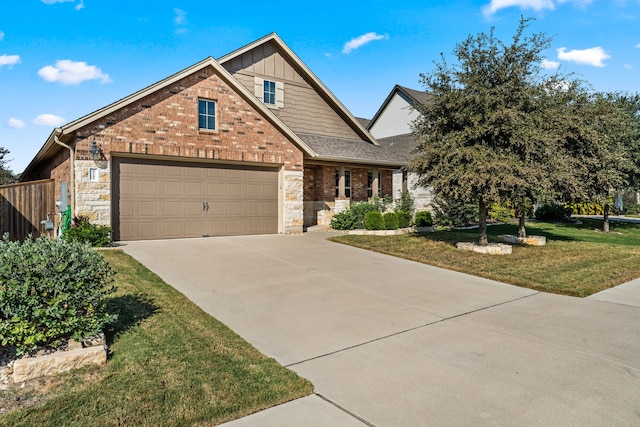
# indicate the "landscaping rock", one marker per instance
pixel 492 249
pixel 529 240
pixel 34 367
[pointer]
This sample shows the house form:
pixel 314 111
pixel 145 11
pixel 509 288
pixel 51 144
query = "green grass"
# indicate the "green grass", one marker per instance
pixel 171 364
pixel 578 260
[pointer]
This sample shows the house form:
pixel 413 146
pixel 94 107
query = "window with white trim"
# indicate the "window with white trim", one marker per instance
pixel 269 92
pixel 206 114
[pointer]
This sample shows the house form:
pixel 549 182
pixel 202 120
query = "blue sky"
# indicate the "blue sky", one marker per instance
pixel 62 59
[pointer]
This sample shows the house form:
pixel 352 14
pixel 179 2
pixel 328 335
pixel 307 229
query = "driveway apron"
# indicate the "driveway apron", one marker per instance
pixel 389 342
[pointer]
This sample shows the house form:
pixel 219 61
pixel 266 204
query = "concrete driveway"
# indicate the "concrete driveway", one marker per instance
pixel 389 342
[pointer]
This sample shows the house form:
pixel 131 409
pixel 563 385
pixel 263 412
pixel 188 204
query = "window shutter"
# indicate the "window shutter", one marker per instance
pixel 280 94
pixel 258 85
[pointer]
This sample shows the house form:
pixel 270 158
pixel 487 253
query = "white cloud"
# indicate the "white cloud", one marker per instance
pixel 550 65
pixel 181 17
pixel 360 41
pixel 536 5
pixel 638 45
pixel 593 56
pixel 1 35
pixel 15 123
pixel 72 73
pixel 9 60
pixel 48 120
pixel 628 67
pixel 57 1
pixel 80 5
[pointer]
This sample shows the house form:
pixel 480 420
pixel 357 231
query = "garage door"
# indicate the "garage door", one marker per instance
pixel 165 200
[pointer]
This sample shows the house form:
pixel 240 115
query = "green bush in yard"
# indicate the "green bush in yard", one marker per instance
pixel 374 221
pixel 552 212
pixel 51 290
pixel 423 219
pixel 404 219
pixel 83 231
pixel 353 218
pixel 390 221
pixel 405 203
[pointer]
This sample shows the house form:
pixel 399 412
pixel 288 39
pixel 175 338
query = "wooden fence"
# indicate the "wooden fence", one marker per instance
pixel 24 205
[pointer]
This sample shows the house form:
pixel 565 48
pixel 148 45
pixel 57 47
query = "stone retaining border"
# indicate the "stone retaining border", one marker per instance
pixel 492 249
pixel 62 361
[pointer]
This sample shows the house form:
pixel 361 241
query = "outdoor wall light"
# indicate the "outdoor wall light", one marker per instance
pixel 95 152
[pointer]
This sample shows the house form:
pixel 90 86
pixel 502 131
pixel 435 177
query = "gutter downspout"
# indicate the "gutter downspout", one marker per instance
pixel 72 175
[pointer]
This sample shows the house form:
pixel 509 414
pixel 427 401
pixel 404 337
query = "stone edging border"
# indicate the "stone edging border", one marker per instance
pixel 391 232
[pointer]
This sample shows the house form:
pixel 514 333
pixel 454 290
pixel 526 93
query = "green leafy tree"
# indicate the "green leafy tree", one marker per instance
pixel 601 136
pixel 6 175
pixel 480 138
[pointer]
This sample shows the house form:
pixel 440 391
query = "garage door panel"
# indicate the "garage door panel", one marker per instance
pixel 161 199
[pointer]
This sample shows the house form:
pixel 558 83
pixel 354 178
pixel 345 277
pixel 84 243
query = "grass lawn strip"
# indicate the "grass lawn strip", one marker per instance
pixel 172 365
pixel 578 260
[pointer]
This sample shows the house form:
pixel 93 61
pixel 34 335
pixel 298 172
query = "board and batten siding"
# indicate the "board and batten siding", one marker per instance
pixel 304 110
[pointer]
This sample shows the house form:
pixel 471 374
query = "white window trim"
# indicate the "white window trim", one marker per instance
pixel 258 90
pixel 215 115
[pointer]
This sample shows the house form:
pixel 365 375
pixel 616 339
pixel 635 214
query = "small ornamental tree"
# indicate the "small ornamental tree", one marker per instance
pixel 6 175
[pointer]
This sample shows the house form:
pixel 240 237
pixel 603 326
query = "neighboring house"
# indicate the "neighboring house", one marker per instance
pixel 392 127
pixel 250 143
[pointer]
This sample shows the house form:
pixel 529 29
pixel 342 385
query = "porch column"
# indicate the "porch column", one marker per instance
pixel 341 184
pixel 375 182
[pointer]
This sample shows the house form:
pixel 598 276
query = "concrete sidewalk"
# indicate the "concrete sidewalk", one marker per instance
pixel 390 342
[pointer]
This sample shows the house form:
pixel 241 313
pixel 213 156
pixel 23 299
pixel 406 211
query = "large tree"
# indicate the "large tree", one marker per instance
pixel 6 175
pixel 481 138
pixel 602 136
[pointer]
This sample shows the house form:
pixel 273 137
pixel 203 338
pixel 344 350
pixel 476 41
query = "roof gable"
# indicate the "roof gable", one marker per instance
pixel 250 57
pixel 414 99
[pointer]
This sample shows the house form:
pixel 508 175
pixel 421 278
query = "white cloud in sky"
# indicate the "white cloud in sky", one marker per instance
pixel 638 45
pixel 1 35
pixel 628 67
pixel 9 60
pixel 48 120
pixel 72 73
pixel 360 41
pixel 15 123
pixel 57 1
pixel 593 56
pixel 550 65
pixel 80 5
pixel 180 20
pixel 537 5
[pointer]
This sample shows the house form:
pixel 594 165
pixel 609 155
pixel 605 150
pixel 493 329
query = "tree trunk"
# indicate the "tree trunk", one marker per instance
pixel 482 226
pixel 522 231
pixel 605 223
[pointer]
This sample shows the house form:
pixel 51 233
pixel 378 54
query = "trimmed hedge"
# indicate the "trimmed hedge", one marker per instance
pixel 423 219
pixel 51 290
pixel 84 232
pixel 390 221
pixel 353 218
pixel 374 221
pixel 404 219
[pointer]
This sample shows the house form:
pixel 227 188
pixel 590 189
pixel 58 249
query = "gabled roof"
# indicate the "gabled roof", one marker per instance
pixel 50 147
pixel 331 148
pixel 414 97
pixel 328 96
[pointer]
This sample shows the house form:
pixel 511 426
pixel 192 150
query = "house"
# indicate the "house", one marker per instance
pixel 392 127
pixel 250 143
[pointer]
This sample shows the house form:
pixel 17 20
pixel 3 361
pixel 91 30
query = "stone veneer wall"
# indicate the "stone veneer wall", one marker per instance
pixel 93 199
pixel 293 205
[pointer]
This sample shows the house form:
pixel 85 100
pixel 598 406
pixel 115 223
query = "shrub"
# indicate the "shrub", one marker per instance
pixel 405 203
pixel 423 219
pixel 454 213
pixel 552 212
pixel 404 219
pixel 502 212
pixel 584 208
pixel 50 290
pixel 390 221
pixel 353 218
pixel 84 232
pixel 382 203
pixel 374 221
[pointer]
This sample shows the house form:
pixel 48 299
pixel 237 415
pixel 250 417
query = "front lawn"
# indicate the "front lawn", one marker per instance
pixel 578 259
pixel 171 365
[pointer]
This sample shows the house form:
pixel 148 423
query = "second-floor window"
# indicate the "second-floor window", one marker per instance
pixel 269 94
pixel 206 114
